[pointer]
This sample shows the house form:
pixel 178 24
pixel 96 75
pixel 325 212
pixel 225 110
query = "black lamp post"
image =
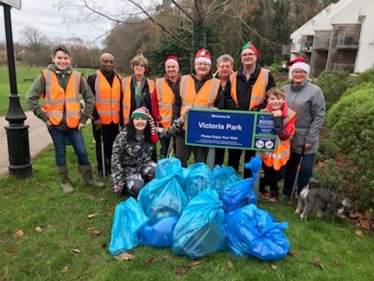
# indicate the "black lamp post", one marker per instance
pixel 17 131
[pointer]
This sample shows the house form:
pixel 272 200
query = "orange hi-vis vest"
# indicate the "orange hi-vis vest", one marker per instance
pixel 205 97
pixel 107 98
pixel 56 99
pixel 165 100
pixel 279 157
pixel 258 93
pixel 126 100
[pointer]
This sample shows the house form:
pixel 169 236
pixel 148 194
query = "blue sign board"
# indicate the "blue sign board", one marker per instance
pixel 232 129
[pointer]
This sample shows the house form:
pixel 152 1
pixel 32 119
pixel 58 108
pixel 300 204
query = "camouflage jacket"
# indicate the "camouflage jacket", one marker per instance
pixel 129 158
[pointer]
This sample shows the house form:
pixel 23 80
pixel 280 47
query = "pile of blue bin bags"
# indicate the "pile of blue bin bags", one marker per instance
pixel 197 211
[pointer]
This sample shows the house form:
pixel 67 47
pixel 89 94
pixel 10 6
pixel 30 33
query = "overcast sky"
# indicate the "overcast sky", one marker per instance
pixel 40 14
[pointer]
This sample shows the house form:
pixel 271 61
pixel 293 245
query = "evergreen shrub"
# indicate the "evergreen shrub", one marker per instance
pixel 351 121
pixel 333 85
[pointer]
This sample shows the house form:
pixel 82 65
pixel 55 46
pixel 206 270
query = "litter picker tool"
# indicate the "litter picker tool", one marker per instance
pixel 297 173
pixel 102 151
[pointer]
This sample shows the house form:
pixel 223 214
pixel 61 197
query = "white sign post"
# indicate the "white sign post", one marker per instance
pixel 13 3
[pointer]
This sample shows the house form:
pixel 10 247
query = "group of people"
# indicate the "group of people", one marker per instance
pixel 149 110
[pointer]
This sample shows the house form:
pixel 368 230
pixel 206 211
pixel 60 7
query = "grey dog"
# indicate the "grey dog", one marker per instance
pixel 313 196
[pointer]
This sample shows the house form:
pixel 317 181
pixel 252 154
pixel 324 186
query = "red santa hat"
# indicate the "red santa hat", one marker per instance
pixel 291 62
pixel 203 55
pixel 171 59
pixel 142 112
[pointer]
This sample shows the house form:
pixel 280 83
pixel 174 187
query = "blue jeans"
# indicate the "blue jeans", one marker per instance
pixel 76 139
pixel 304 175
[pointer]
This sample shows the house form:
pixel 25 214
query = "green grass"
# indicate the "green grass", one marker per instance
pixel 39 202
pixel 22 72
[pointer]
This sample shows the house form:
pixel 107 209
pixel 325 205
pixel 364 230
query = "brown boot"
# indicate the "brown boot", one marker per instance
pixel 65 184
pixel 86 173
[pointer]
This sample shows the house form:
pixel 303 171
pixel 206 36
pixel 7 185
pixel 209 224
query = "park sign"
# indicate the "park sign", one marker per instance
pixel 13 3
pixel 252 130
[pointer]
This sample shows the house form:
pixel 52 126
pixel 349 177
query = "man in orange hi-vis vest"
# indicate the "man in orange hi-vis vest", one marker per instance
pixel 197 90
pixel 59 85
pixel 106 87
pixel 163 99
pixel 248 89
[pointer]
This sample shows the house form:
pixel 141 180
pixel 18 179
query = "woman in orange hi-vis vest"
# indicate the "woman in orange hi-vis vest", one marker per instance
pixel 59 85
pixel 274 162
pixel 136 91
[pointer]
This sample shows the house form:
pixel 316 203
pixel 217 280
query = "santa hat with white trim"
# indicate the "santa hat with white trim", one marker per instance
pixel 203 55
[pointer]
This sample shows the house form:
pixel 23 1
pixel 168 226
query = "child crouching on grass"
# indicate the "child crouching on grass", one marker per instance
pixel 274 162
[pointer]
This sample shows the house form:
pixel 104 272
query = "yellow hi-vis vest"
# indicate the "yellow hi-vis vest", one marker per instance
pixel 258 93
pixel 56 99
pixel 107 98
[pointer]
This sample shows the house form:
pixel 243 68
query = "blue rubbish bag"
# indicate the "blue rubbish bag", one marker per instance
pixel 253 232
pixel 238 194
pixel 128 219
pixel 162 198
pixel 254 165
pixel 199 231
pixel 224 176
pixel 199 178
pixel 241 193
pixel 170 166
pixel 160 234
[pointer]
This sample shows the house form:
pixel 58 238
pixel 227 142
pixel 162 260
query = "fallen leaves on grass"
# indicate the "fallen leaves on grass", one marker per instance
pixel 97 232
pixel 337 262
pixel 124 256
pixel 165 257
pixel 182 270
pixel 273 266
pixel 38 229
pixel 152 260
pixel 291 253
pixel 19 233
pixel 90 216
pixel 193 263
pixel 77 251
pixel 229 264
pixel 90 228
pixel 65 269
pixel 104 245
pixel 317 263
pixel 359 233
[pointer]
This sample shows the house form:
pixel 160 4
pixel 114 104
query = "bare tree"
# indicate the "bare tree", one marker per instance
pixel 37 47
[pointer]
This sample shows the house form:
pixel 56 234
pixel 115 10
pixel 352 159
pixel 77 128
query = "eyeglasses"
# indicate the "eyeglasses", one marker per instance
pixel 248 55
pixel 139 65
pixel 298 72
pixel 202 64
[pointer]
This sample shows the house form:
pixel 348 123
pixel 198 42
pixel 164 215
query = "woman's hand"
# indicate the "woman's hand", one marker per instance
pixel 81 126
pixel 307 146
pixel 118 188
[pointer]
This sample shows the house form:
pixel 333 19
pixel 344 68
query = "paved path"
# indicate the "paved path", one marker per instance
pixel 39 139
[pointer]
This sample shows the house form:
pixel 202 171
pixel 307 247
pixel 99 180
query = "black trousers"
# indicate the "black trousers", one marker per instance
pixel 234 160
pixel 109 133
pixel 220 156
pixel 271 178
pixel 184 151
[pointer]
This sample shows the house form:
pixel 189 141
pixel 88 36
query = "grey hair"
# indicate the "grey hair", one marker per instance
pixel 225 57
